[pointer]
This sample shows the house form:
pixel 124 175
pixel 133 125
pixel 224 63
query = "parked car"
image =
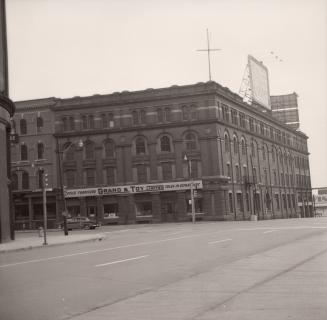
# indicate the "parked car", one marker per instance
pixel 79 223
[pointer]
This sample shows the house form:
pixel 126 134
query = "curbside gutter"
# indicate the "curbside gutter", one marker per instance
pixel 32 243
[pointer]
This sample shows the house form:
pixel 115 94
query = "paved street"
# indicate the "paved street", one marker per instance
pixel 217 270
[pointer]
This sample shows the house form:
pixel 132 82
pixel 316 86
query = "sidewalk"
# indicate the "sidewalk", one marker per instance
pixel 53 239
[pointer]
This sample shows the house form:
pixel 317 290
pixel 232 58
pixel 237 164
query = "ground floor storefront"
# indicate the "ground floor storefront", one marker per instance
pixel 214 199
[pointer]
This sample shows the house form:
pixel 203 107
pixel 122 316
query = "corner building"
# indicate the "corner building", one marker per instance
pixel 131 168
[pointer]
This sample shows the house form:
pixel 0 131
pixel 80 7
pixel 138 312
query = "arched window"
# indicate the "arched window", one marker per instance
pixel 243 147
pixel 23 126
pixel 190 141
pixel 40 150
pixel 39 124
pixel 227 149
pixel 23 152
pixel 25 180
pixel 235 143
pixel 237 173
pixel 263 152
pixel 14 181
pixel 89 150
pixel 165 144
pixel 140 146
pixel 109 149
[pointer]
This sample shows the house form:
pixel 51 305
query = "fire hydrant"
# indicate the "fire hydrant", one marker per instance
pixel 41 232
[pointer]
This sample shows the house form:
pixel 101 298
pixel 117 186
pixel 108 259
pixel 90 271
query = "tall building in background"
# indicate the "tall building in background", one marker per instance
pixel 6 112
pixel 285 109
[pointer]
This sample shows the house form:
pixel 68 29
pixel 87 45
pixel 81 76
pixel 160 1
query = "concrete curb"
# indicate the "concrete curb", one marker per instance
pixel 98 237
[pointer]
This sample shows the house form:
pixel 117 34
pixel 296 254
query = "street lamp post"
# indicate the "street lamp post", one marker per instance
pixel 191 187
pixel 63 199
pixel 44 194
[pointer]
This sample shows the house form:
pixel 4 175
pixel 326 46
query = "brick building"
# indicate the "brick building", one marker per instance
pixel 123 156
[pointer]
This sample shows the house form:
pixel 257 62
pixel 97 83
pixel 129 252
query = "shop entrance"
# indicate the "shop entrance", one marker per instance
pixel 168 213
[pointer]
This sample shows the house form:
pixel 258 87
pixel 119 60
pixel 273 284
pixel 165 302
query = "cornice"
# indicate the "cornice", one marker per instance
pixel 7 104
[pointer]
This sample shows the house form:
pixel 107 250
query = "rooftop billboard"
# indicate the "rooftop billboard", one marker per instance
pixel 259 82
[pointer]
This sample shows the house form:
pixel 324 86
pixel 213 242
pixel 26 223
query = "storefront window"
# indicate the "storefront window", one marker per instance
pixel 144 208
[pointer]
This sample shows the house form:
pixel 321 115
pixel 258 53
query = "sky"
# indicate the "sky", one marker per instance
pixel 66 48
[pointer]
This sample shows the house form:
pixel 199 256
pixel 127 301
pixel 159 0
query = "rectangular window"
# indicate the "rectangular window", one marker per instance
pixel 167 172
pixel 284 201
pixel 225 113
pixel 110 175
pixel 234 117
pixel 141 173
pixel 247 201
pixel 251 123
pixel 262 129
pixel 242 120
pixel 70 178
pixel 90 177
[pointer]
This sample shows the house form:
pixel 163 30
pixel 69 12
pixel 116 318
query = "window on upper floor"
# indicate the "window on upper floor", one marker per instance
pixel 160 115
pixel 39 124
pixel 189 112
pixel 165 145
pixel 25 180
pixel 23 126
pixel 139 117
pixel 243 147
pixel 271 130
pixel 167 171
pixel 262 129
pixel 140 146
pixel 190 141
pixel 110 175
pixel 234 117
pixel 225 111
pixel 227 143
pixel 228 170
pixel 263 153
pixel 23 152
pixel 109 149
pixel 252 149
pixel 251 124
pixel 40 150
pixel 235 144
pixel 89 150
pixel 141 171
pixel 242 120
pixel 90 177
pixel 14 181
pixel 70 178
pixel 40 178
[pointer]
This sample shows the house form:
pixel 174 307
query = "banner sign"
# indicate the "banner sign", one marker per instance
pixel 140 188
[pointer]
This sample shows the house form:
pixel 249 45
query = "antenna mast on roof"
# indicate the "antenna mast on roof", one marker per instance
pixel 208 50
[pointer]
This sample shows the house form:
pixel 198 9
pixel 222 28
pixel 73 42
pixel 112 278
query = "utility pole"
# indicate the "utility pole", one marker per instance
pixel 208 50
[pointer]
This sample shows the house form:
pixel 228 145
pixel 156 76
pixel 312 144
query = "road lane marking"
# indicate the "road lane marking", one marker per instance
pixel 98 250
pixel 219 241
pixel 119 261
pixel 269 231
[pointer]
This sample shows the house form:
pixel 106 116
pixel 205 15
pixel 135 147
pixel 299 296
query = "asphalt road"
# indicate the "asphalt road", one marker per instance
pixel 217 270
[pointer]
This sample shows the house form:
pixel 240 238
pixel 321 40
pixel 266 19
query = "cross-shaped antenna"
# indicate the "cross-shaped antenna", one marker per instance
pixel 208 50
